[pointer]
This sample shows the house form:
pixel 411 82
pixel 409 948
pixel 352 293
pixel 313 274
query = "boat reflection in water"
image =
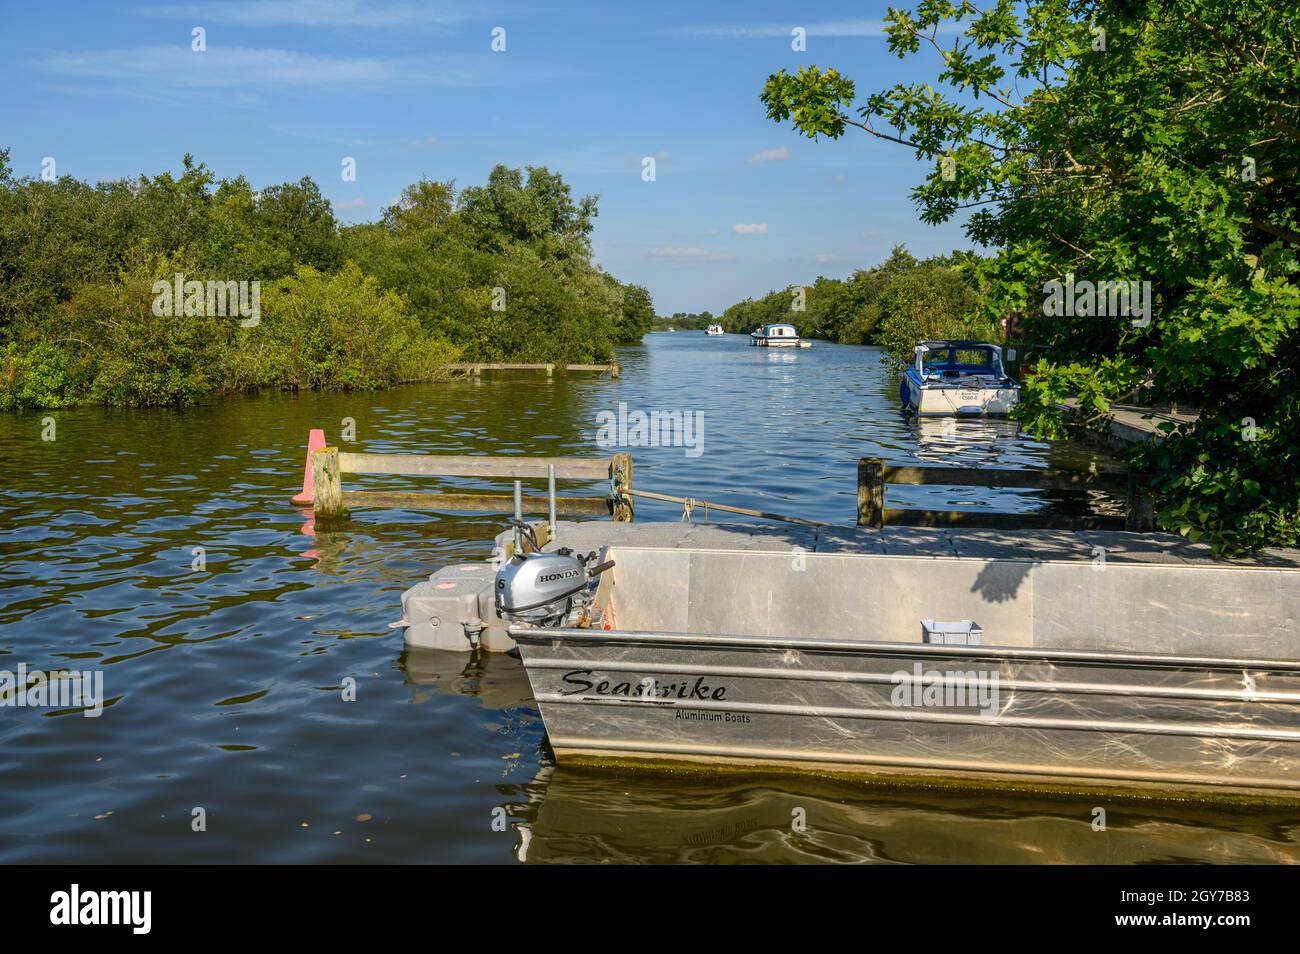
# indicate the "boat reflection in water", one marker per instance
pixel 995 443
pixel 568 814
pixel 965 441
pixel 572 814
pixel 498 681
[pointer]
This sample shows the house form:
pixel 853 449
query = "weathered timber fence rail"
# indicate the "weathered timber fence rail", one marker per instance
pixel 476 369
pixel 329 464
pixel 329 499
pixel 874 475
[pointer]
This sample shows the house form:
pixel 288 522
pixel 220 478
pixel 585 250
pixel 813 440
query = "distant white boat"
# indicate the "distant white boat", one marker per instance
pixel 958 378
pixel 715 330
pixel 774 336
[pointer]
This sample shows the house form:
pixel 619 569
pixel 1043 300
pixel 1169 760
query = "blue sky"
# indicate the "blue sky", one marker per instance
pixel 412 89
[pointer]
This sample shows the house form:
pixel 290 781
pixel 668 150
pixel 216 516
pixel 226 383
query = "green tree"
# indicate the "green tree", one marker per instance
pixel 538 211
pixel 636 316
pixel 931 301
pixel 499 272
pixel 1121 141
pixel 340 331
pixel 424 206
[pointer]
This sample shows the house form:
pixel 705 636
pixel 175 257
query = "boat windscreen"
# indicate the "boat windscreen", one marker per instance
pixel 961 361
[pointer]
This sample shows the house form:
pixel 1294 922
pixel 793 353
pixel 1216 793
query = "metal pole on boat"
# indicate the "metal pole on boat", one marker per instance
pixel 550 497
pixel 519 516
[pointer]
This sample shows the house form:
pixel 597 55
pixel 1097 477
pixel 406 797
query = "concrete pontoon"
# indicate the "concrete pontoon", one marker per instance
pixel 1077 659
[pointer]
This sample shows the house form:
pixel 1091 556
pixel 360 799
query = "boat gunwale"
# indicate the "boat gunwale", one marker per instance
pixel 1046 686
pixel 926 384
pixel 1116 562
pixel 538 634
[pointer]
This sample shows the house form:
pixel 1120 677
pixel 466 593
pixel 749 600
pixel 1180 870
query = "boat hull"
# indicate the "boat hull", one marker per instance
pixel 763 342
pixel 929 400
pixel 1083 720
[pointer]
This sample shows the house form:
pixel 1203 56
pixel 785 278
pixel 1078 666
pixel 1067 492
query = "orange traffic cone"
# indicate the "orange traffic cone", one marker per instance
pixel 315 441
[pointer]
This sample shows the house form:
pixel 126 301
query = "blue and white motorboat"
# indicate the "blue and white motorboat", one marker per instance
pixel 958 378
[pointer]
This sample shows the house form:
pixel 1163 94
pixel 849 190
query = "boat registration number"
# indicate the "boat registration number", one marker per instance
pixel 970 395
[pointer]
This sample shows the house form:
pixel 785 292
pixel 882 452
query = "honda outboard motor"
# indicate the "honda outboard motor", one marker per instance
pixel 552 589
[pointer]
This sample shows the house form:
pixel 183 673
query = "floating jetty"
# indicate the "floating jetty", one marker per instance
pixel 612 368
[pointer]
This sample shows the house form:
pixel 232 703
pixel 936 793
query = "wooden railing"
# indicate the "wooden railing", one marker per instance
pixel 329 464
pixel 874 475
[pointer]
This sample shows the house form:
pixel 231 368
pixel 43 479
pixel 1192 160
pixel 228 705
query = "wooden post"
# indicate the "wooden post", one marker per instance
pixel 614 370
pixel 1139 514
pixel 871 492
pixel 327 484
pixel 550 370
pixel 621 467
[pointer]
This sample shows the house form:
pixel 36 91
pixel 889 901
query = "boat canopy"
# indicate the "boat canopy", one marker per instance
pixel 956 358
pixel 780 331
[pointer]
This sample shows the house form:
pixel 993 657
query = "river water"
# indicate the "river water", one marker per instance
pixel 225 684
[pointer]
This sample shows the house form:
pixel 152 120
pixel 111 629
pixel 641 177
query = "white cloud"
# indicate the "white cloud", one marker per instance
pixel 424 141
pixel 690 251
pixel 758 228
pixel 769 155
pixel 312 13
pixel 231 66
pixel 823 258
pixel 351 204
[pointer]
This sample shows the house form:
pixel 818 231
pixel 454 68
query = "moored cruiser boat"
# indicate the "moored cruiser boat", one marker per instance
pixel 958 377
pixel 714 331
pixel 775 336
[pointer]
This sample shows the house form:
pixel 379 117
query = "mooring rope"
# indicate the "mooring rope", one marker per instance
pixel 689 503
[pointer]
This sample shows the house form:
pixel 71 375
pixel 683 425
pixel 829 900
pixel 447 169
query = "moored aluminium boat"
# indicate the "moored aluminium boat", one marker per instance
pixel 775 336
pixel 958 378
pixel 836 662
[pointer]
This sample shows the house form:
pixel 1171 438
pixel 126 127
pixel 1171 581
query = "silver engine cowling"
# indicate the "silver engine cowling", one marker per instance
pixel 546 588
